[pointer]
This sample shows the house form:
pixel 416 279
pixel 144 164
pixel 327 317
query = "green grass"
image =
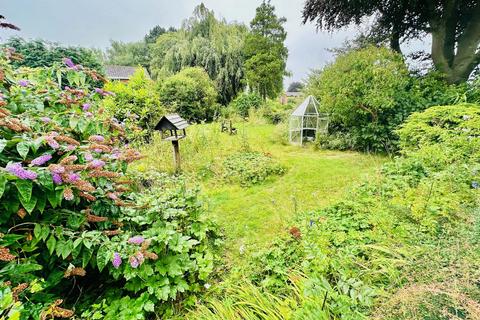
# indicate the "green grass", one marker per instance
pixel 252 217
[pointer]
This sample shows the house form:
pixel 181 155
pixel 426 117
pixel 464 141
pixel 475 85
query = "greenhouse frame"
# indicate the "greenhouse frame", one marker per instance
pixel 306 122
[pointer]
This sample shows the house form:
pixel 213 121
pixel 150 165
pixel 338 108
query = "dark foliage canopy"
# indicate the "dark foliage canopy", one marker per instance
pixel 453 24
pixel 40 53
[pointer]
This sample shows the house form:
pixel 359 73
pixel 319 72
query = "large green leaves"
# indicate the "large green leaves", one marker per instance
pixel 3 183
pixel 24 188
pixel 3 143
pixel 23 148
pixel 103 257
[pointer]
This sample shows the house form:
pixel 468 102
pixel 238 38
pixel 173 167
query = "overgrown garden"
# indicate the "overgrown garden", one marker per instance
pixel 378 218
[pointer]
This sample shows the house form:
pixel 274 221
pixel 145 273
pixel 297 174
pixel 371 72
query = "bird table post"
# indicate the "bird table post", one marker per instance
pixel 176 155
pixel 172 128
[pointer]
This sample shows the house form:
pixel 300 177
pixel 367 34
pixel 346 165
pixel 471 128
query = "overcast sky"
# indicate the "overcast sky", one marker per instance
pixel 92 23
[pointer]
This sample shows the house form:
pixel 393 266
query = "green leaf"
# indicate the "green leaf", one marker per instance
pixel 45 232
pixel 37 231
pixel 23 148
pixel 3 183
pixel 82 125
pixel 25 189
pixel 103 257
pixel 41 202
pixel 3 143
pixel 73 122
pixel 52 198
pixel 51 243
pixel 16 269
pixel 59 77
pixel 36 144
pixel 45 179
pixel 86 255
pixel 40 107
pixel 76 250
pixel 29 205
pixel 149 306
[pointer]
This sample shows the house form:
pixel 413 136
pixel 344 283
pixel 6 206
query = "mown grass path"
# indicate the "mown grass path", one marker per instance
pixel 252 217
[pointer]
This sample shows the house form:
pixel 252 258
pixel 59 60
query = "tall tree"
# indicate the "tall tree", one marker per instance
pixel 207 42
pixel 295 87
pixel 128 54
pixel 453 24
pixel 265 52
pixel 152 36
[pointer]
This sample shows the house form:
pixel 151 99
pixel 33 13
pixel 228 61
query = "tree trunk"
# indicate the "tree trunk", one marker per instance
pixel 456 58
pixel 395 42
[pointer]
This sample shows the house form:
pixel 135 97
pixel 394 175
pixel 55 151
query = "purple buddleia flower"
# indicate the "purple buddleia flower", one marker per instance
pixel 133 262
pixel 69 63
pixel 45 119
pixel 117 260
pixel 98 90
pixel 136 240
pixel 23 83
pixel 20 172
pixel 41 160
pixel 57 179
pixel 88 156
pixel 29 175
pixel 72 177
pixel 112 196
pixel 86 106
pixel 57 168
pixel 52 143
pixel 97 150
pixel 15 168
pixel 97 138
pixel 71 147
pixel 96 164
pixel 89 114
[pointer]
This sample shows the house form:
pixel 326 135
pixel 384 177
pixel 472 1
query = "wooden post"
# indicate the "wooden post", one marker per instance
pixel 176 155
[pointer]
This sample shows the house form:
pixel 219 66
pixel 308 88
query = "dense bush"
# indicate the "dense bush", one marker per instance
pixel 248 168
pixel 456 127
pixel 191 93
pixel 72 231
pixel 369 93
pixel 275 112
pixel 40 53
pixel 245 102
pixel 136 102
pixel 361 91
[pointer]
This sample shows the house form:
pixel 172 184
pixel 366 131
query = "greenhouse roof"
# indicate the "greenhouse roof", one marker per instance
pixel 309 106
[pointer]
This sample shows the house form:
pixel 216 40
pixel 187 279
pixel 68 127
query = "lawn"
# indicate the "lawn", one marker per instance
pixel 252 216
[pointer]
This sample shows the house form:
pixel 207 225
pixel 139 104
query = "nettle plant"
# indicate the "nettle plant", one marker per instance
pixel 71 229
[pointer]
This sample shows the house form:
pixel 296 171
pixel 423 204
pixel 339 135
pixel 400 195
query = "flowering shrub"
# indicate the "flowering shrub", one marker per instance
pixel 71 229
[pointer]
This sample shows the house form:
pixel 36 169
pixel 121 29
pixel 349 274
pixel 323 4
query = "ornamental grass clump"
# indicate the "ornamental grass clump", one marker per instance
pixel 69 221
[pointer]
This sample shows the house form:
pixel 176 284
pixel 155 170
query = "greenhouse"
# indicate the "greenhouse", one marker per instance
pixel 306 121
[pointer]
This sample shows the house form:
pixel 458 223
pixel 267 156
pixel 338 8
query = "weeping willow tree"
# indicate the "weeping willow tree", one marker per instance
pixel 206 42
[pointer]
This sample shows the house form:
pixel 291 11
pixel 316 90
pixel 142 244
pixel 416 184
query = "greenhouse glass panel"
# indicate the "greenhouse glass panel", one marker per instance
pixel 306 122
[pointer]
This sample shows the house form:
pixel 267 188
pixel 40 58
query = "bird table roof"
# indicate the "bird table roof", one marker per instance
pixel 171 122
